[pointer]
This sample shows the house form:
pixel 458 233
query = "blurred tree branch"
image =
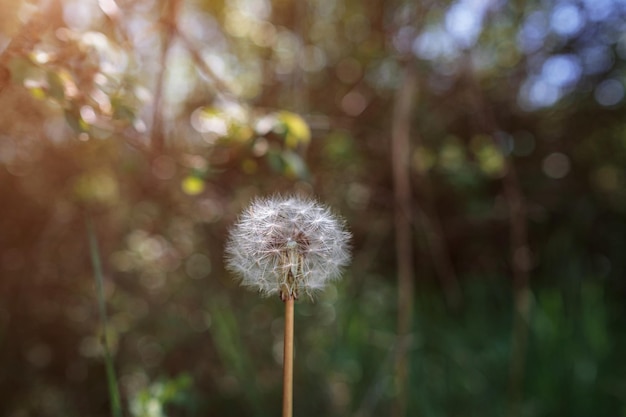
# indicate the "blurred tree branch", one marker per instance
pixel 400 152
pixel 221 88
pixel 169 23
pixel 519 249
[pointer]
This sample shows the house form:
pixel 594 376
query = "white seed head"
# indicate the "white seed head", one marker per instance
pixel 283 245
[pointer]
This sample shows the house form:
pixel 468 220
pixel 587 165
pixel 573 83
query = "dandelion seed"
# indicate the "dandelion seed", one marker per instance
pixel 287 245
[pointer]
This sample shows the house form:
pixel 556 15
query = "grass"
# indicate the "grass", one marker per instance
pixel 114 393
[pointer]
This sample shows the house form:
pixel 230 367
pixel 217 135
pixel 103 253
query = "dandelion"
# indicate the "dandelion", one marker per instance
pixel 287 246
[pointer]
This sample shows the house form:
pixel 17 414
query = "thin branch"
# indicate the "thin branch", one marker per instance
pixel 435 237
pixel 220 86
pixel 519 250
pixel 437 247
pixel 135 139
pixel 298 88
pixel 400 151
pixel 168 20
pixel 520 265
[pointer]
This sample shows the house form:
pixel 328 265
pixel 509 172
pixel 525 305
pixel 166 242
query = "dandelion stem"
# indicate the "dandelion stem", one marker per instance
pixel 288 358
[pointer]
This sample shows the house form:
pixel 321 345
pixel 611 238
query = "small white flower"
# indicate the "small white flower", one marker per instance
pixel 285 245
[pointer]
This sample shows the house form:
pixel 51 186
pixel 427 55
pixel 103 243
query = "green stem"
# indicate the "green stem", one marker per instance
pixel 114 393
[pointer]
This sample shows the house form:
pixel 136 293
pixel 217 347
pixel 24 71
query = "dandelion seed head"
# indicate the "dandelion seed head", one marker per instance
pixel 287 244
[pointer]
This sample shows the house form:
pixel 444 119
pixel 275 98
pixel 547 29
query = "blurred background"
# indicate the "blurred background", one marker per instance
pixel 476 149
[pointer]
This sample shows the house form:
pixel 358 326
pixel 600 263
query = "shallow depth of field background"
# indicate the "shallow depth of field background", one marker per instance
pixel 160 120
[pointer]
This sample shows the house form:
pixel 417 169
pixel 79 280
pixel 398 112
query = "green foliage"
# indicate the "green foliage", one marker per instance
pixel 155 400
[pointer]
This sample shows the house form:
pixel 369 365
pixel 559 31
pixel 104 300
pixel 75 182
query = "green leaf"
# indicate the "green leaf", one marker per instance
pixel 296 130
pixel 294 165
pixel 55 86
pixel 192 185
